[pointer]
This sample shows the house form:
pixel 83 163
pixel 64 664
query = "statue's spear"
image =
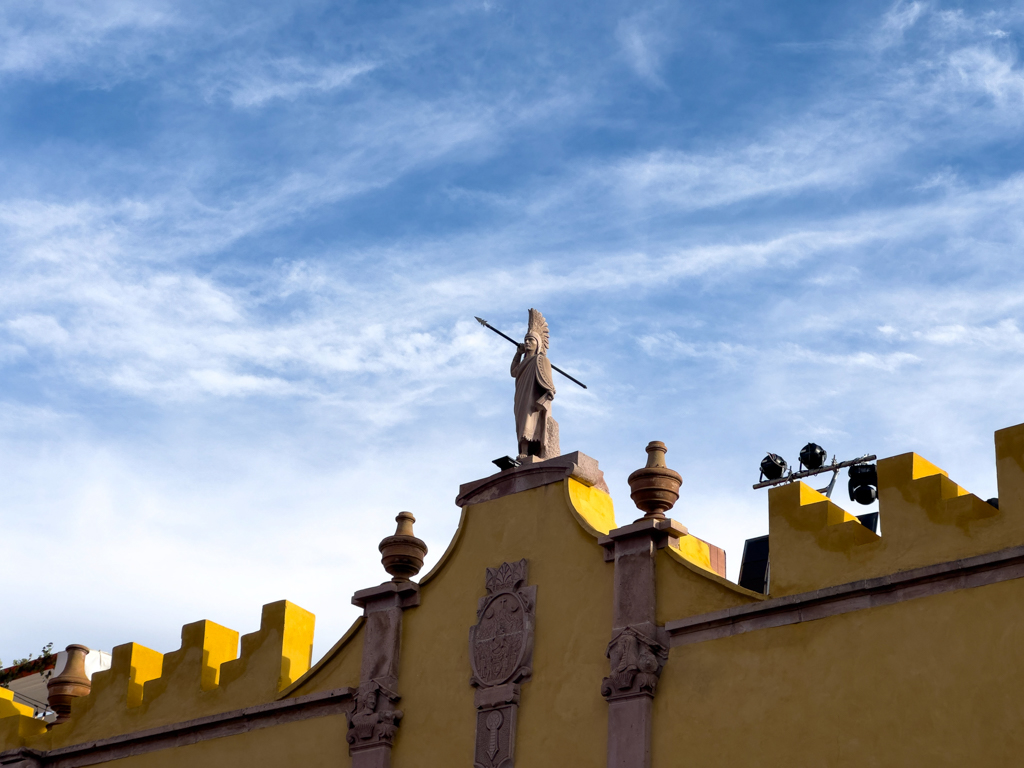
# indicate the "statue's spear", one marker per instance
pixel 485 324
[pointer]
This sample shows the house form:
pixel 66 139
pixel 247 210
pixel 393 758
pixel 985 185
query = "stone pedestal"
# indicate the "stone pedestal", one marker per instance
pixel 638 649
pixel 375 718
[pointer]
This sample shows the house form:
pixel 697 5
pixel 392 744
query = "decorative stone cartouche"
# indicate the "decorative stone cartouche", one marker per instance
pixel 655 488
pixel 71 683
pixel 402 554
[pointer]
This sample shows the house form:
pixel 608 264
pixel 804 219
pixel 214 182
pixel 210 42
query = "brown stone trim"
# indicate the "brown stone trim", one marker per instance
pixel 970 572
pixel 662 532
pixel 576 465
pixel 373 721
pixel 334 702
pixel 390 594
pixel 500 667
pixel 639 648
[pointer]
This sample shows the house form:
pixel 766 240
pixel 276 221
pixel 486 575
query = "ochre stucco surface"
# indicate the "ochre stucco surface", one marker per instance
pixel 933 681
pixel 316 743
pixel 573 615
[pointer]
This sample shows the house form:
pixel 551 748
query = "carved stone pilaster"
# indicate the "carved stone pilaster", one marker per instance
pixel 501 655
pixel 638 649
pixel 374 720
pixel 637 655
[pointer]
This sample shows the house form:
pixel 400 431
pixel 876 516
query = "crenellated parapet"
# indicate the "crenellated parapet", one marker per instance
pixel 927 515
pixel 812 539
pixel 595 643
pixel 144 689
pixel 926 518
pixel 16 721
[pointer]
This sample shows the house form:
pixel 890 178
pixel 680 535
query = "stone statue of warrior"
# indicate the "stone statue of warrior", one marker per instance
pixel 536 430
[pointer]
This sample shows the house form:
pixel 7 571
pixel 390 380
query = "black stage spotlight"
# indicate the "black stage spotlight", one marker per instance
pixel 813 456
pixel 773 466
pixel 863 483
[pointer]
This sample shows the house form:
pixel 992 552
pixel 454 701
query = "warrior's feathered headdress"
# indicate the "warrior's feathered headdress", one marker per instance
pixel 539 328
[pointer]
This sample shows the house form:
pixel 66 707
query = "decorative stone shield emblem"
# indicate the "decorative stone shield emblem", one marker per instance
pixel 499 642
pixel 501 654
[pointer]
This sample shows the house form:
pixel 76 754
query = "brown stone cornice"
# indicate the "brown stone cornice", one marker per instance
pixel 576 465
pixel 658 530
pixel 970 572
pixel 390 594
pixel 334 702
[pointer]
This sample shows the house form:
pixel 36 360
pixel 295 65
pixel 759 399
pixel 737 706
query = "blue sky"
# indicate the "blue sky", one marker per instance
pixel 242 245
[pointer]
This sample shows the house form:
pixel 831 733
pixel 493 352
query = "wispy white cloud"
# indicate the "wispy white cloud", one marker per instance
pixel 642 48
pixel 46 38
pixel 253 84
pixel 897 20
pixel 809 274
pixel 157 332
pixel 985 70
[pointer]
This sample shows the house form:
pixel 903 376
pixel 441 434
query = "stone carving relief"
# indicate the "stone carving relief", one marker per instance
pixel 373 721
pixel 637 657
pixel 501 655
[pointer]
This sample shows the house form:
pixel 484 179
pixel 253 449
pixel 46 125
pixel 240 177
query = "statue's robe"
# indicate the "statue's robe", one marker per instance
pixel 533 384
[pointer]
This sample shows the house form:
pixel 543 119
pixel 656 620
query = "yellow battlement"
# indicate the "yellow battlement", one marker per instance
pixel 16 721
pixel 145 689
pixel 926 518
pixel 815 543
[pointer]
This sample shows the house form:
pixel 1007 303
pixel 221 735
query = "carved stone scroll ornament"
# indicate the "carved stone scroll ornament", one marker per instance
pixel 501 654
pixel 637 658
pixel 373 721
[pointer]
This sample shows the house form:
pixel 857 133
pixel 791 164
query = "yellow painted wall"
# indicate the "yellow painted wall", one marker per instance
pixel 932 682
pixel 684 588
pixel 315 743
pixel 573 623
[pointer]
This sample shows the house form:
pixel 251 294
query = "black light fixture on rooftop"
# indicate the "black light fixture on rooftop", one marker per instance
pixel 863 483
pixel 813 456
pixel 773 466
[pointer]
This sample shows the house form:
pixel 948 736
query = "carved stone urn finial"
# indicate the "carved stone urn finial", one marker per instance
pixel 402 554
pixel 655 488
pixel 71 683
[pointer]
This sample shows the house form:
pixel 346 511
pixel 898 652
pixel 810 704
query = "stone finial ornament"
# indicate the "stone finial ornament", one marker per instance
pixel 402 554
pixel 71 683
pixel 655 488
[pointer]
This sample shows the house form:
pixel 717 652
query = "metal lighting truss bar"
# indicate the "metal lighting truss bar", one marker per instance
pixel 833 467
